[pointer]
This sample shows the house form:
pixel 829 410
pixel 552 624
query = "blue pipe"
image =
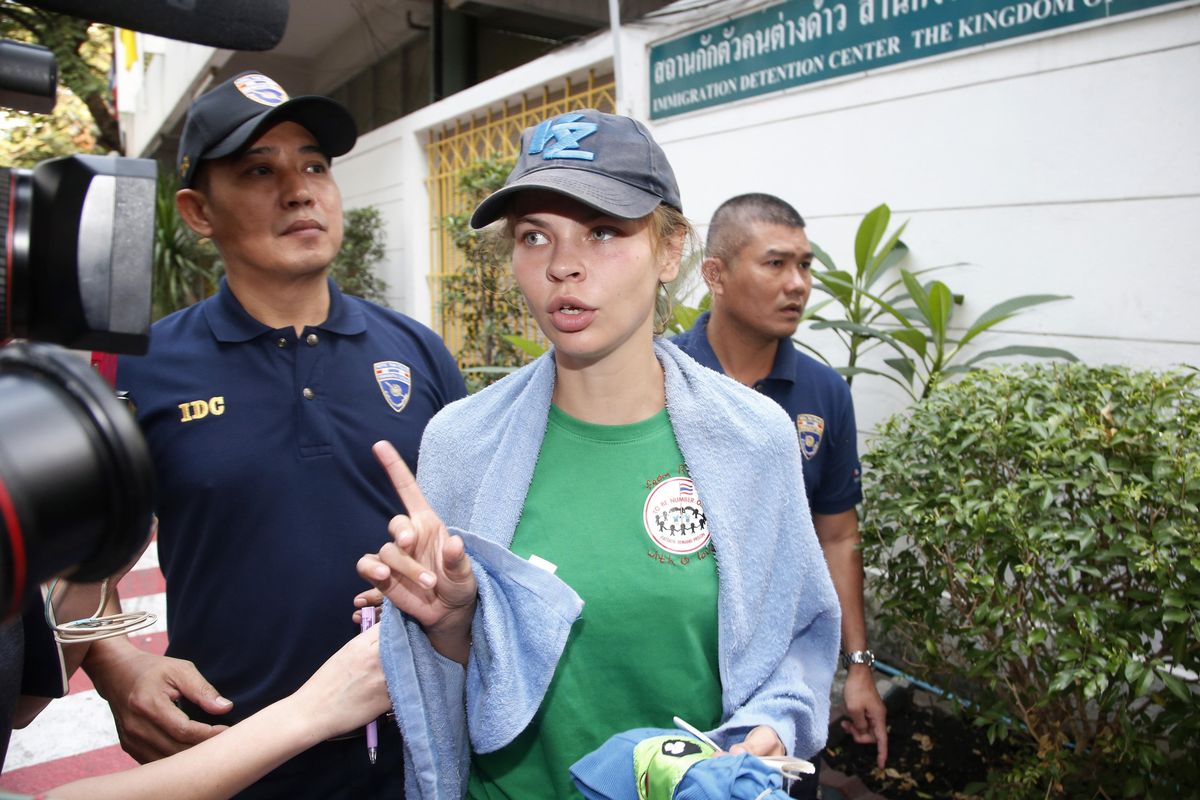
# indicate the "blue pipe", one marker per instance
pixel 889 670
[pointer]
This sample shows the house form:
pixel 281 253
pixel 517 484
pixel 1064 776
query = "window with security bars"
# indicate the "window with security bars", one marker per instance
pixel 475 301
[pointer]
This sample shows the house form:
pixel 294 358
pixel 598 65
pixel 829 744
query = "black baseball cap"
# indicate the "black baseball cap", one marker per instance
pixel 605 161
pixel 232 115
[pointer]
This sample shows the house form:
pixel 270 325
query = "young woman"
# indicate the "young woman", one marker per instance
pixel 628 536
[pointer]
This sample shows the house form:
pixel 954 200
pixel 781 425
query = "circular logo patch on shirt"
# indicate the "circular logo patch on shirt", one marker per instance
pixel 810 429
pixel 261 89
pixel 674 517
pixel 395 381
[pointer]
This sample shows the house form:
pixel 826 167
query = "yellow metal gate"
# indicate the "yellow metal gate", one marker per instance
pixel 451 152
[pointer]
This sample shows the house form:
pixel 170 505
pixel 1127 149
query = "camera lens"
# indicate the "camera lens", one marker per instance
pixel 78 250
pixel 16 206
pixel 76 480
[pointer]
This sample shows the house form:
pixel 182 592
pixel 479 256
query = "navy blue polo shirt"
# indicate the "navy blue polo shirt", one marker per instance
pixel 268 490
pixel 818 400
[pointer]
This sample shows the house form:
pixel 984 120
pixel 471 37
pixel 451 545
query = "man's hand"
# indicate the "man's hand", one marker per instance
pixel 761 741
pixel 424 570
pixel 141 688
pixel 867 714
pixel 841 542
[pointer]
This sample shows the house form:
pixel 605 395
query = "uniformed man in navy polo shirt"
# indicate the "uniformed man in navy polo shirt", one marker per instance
pixel 260 406
pixel 757 262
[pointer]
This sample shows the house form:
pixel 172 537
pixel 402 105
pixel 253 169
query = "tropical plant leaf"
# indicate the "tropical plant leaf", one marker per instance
pixel 904 366
pixel 820 255
pixel 917 293
pixel 683 317
pixel 897 254
pixel 923 270
pixel 850 372
pixel 877 259
pixel 838 283
pixel 941 307
pixel 527 346
pixel 1006 310
pixel 880 302
pixel 912 337
pixel 870 233
pixel 869 331
pixel 812 309
pixel 910 314
pixel 186 269
pixel 1023 350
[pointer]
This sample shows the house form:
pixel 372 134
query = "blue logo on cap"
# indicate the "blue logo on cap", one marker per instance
pixel 559 138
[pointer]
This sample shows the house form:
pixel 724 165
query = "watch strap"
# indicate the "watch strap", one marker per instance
pixel 858 657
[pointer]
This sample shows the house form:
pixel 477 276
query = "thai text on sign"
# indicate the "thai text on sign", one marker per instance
pixel 804 41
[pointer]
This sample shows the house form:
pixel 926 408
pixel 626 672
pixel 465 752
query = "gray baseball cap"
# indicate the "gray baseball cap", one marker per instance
pixel 606 161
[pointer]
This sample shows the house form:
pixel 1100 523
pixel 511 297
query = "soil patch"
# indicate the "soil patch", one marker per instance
pixel 932 753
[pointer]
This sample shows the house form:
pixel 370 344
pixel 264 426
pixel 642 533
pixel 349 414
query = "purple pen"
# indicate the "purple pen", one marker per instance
pixel 368 619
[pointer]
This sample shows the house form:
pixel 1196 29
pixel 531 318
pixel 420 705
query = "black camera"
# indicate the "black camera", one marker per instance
pixel 76 489
pixel 76 483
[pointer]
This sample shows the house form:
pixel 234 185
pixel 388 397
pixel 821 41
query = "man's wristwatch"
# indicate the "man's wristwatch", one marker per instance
pixel 858 657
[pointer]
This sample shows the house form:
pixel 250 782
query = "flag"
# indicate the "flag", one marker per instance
pixel 129 45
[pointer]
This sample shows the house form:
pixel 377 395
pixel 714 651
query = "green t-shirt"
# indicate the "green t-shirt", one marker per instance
pixel 612 506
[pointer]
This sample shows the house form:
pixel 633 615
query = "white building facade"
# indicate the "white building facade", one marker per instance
pixel 1052 145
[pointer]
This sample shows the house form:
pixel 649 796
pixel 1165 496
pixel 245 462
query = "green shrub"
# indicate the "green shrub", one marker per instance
pixel 364 241
pixel 482 297
pixel 1039 542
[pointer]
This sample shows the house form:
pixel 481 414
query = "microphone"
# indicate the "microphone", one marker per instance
pixel 228 24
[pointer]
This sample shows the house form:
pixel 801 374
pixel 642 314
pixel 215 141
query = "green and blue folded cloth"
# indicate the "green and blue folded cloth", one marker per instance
pixel 662 764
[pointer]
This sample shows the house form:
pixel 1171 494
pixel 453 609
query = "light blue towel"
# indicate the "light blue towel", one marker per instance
pixel 778 617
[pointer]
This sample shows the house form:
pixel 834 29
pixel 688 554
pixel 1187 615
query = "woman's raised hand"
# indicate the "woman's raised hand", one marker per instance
pixel 424 570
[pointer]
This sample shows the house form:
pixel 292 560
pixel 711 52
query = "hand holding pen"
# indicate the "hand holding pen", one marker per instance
pixel 368 619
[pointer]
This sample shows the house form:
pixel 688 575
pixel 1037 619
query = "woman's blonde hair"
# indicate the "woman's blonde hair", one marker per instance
pixel 670 229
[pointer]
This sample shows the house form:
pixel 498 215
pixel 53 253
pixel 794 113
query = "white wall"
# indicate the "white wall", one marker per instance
pixel 164 80
pixel 1069 164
